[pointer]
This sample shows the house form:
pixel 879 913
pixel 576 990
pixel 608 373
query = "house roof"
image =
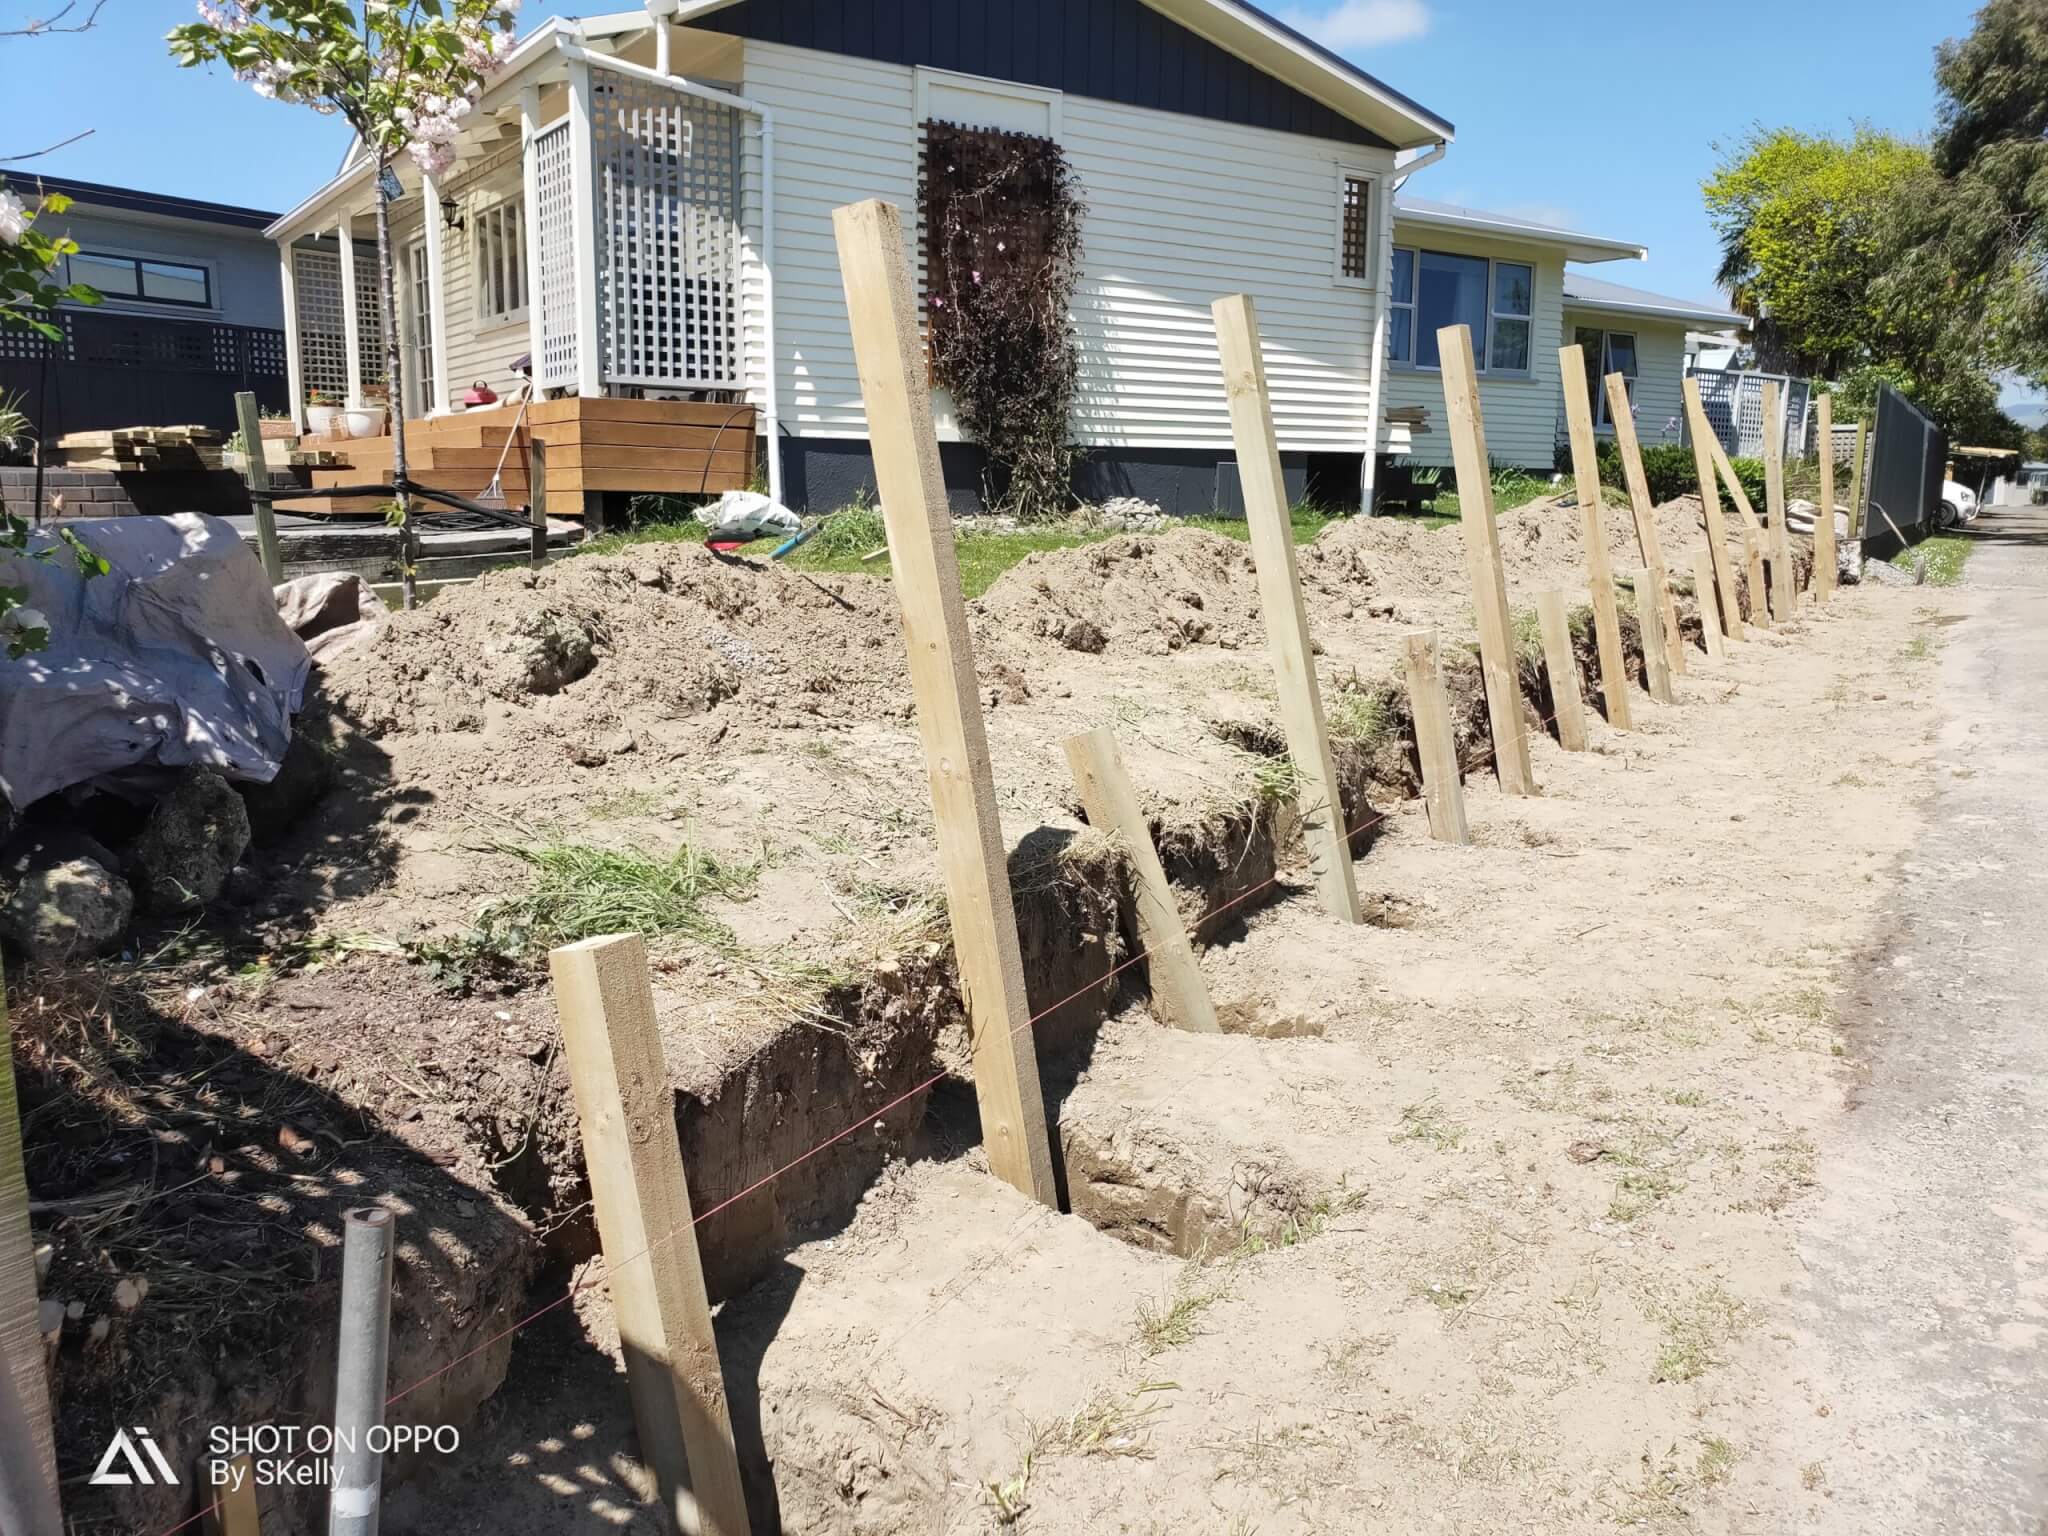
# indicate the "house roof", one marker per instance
pixel 1276 49
pixel 1584 292
pixel 162 204
pixel 1578 246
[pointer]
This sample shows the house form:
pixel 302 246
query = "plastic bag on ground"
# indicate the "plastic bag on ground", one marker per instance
pixel 747 515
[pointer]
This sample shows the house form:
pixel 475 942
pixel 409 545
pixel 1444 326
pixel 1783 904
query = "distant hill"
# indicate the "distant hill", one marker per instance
pixel 2028 413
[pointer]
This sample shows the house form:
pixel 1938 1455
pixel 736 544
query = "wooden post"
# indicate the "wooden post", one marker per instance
pixel 1774 500
pixel 28 1454
pixel 1562 663
pixel 256 470
pixel 537 496
pixel 637 1184
pixel 1436 745
pixel 1578 410
pixel 1178 991
pixel 1824 520
pixel 1752 527
pixel 1656 646
pixel 1704 446
pixel 1710 607
pixel 905 446
pixel 234 1511
pixel 1856 481
pixel 1287 638
pixel 1482 561
pixel 1622 410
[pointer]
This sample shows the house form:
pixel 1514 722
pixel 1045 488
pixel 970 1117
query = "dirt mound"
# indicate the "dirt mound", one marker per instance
pixel 658 634
pixel 1137 594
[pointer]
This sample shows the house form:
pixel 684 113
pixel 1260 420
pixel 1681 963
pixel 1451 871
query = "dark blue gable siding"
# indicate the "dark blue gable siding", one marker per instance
pixel 1114 50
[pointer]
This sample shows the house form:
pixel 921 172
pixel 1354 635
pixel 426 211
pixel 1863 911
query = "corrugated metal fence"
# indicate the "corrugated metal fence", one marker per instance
pixel 1907 452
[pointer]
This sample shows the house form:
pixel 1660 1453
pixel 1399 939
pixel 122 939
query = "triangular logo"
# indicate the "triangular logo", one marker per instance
pixel 124 1452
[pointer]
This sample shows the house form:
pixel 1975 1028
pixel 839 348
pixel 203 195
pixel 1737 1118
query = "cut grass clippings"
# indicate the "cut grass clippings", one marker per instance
pixel 581 891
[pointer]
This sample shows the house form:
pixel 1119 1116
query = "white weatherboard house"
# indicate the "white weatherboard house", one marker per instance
pixel 643 202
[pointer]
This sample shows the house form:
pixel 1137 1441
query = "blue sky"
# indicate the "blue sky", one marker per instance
pixel 1602 116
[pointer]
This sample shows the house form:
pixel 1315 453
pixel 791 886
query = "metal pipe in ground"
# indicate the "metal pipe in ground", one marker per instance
pixel 361 1364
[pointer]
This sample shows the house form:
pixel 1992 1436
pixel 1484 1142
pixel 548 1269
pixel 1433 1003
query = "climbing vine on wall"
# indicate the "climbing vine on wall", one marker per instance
pixel 1002 245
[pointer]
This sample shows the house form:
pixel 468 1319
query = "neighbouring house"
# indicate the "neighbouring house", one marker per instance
pixel 1515 282
pixel 191 312
pixel 642 205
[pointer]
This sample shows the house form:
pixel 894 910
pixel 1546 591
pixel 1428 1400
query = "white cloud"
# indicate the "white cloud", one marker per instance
pixel 1360 23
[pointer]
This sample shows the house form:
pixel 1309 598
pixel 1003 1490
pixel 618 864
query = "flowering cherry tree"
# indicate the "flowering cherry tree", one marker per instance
pixel 402 75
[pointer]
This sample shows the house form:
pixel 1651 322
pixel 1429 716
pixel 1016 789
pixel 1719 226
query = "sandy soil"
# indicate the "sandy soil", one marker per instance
pixel 1499 1240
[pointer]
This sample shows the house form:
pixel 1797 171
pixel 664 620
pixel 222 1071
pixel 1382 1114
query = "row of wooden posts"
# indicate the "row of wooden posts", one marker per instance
pixel 602 989
pixel 622 1093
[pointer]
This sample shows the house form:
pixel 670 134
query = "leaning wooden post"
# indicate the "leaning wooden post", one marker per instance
pixel 1561 661
pixel 1622 410
pixel 905 447
pixel 256 470
pixel 1824 520
pixel 1578 410
pixel 1443 790
pixel 28 1454
pixel 1482 561
pixel 1752 536
pixel 1774 504
pixel 627 1108
pixel 537 497
pixel 1294 659
pixel 1856 481
pixel 1656 647
pixel 1178 991
pixel 234 1511
pixel 1704 446
pixel 1710 607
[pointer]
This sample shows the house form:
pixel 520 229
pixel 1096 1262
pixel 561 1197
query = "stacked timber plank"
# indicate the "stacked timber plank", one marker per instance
pixel 675 448
pixel 131 450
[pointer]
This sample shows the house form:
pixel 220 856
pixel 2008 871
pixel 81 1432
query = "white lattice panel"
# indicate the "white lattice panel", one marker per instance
pixel 555 229
pixel 316 283
pixel 1734 406
pixel 667 170
pixel 369 316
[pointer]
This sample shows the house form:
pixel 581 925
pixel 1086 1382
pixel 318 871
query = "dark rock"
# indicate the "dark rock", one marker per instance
pixel 242 888
pixel 72 908
pixel 303 779
pixel 194 836
pixel 1081 635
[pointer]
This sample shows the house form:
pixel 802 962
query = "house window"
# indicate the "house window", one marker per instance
pixel 1514 305
pixel 500 264
pixel 1607 352
pixel 144 280
pixel 1434 289
pixel 1355 240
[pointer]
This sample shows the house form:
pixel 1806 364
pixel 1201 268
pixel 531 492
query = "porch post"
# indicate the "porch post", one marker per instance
pixel 294 365
pixel 437 295
pixel 1376 370
pixel 583 220
pixel 529 222
pixel 351 332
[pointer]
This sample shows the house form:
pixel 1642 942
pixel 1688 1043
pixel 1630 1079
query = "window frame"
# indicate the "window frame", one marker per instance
pixel 1482 346
pixel 1603 418
pixel 511 207
pixel 138 260
pixel 1373 183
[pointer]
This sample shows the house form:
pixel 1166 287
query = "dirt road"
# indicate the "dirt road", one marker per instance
pixel 1926 1256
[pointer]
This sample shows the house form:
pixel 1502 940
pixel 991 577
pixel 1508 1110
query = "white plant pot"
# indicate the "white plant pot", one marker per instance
pixel 365 421
pixel 320 419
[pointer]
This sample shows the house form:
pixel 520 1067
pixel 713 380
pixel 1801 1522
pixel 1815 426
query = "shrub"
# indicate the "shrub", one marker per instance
pixel 1751 473
pixel 1670 471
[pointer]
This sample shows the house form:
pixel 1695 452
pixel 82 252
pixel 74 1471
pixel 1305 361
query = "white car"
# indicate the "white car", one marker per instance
pixel 1958 504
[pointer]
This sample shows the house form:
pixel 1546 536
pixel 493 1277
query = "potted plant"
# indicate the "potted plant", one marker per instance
pixel 367 419
pixel 276 424
pixel 323 412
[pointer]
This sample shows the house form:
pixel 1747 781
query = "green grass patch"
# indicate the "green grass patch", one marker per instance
pixel 1944 554
pixel 857 530
pixel 581 890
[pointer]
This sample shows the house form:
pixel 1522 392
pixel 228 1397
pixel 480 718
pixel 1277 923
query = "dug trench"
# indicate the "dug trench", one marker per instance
pixel 623 698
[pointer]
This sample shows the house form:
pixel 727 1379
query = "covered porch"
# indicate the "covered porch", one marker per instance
pixel 596 241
